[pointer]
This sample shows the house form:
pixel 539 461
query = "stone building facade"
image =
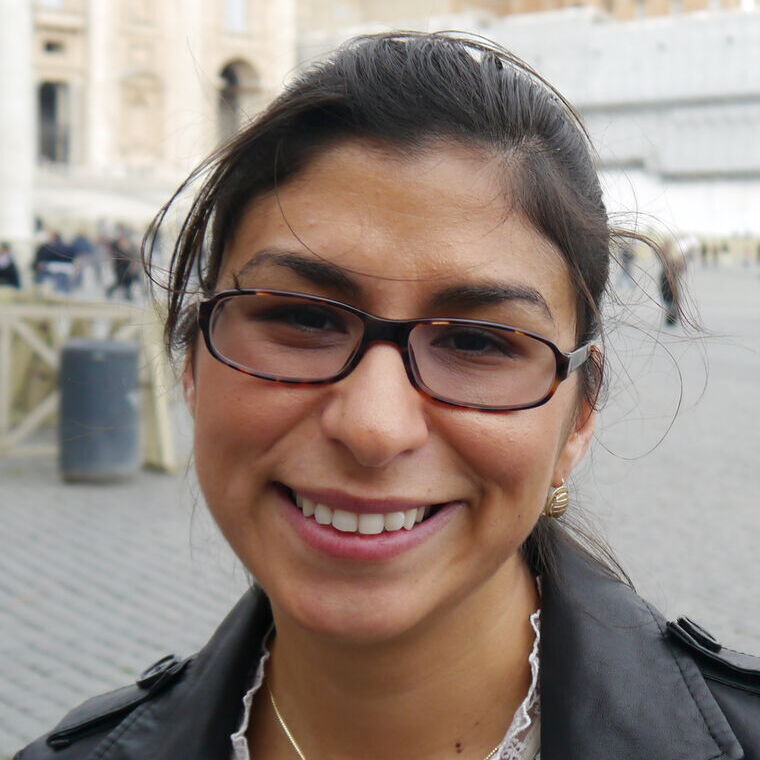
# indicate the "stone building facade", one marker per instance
pixel 108 103
pixel 322 15
pixel 133 85
pixel 128 95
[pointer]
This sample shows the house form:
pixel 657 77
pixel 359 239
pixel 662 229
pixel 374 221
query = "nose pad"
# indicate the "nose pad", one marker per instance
pixel 375 412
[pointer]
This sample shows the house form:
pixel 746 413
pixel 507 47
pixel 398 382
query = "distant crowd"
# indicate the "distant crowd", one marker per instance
pixel 61 266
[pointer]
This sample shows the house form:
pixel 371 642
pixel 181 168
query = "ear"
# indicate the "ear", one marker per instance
pixel 188 383
pixel 576 444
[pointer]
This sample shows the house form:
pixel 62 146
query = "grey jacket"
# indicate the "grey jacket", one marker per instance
pixel 618 682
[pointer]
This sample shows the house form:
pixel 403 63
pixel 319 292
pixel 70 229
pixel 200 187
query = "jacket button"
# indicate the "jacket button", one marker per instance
pixel 702 636
pixel 166 664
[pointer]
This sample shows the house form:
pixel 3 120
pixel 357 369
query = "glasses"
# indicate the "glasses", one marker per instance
pixel 301 339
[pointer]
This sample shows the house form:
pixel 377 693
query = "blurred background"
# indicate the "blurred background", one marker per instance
pixel 107 558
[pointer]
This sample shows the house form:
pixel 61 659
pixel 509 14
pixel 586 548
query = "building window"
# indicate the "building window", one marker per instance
pixel 236 15
pixel 53 102
pixel 53 46
pixel 238 97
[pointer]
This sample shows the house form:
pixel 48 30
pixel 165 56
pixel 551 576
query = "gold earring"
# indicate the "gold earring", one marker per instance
pixel 557 502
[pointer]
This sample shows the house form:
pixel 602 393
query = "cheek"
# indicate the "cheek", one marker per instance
pixel 240 425
pixel 511 455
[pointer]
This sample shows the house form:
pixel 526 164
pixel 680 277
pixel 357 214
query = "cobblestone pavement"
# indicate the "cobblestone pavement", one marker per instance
pixel 98 582
pixel 684 519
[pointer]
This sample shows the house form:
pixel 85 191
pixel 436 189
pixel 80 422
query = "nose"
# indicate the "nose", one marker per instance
pixel 375 412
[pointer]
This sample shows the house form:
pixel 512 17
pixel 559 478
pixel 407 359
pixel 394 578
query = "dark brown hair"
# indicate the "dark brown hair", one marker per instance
pixel 407 91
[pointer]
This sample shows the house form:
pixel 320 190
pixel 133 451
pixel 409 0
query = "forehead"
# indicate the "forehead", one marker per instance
pixel 402 227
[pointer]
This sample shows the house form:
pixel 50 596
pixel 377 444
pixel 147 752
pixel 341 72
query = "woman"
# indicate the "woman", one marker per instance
pixel 673 265
pixel 393 372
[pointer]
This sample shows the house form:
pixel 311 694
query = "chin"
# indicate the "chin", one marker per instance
pixel 358 617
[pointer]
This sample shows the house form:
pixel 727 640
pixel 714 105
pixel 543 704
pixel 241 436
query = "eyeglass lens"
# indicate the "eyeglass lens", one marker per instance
pixel 293 338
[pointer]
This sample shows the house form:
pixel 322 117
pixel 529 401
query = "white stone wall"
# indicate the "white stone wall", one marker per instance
pixel 672 104
pixel 678 95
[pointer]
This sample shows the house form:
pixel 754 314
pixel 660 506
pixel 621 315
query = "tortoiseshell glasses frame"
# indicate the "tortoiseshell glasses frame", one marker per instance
pixel 397 332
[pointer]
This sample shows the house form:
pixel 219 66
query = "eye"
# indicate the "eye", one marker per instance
pixel 475 341
pixel 305 317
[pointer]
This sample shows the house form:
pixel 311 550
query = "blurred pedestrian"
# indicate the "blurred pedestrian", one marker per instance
pixel 83 256
pixel 53 263
pixel 125 264
pixel 8 270
pixel 626 259
pixel 673 266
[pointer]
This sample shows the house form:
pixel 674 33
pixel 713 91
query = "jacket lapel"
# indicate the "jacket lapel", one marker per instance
pixel 196 719
pixel 612 688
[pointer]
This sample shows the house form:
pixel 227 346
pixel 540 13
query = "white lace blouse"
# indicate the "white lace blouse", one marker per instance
pixel 521 742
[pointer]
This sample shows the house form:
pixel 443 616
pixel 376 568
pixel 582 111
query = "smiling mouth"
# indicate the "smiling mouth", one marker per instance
pixel 365 524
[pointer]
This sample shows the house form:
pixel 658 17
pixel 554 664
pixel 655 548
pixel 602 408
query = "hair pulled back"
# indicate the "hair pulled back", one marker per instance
pixel 408 90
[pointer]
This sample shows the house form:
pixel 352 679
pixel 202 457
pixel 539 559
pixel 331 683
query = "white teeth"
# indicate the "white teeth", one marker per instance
pixel 322 514
pixel 353 522
pixel 305 505
pixel 394 520
pixel 344 521
pixel 371 525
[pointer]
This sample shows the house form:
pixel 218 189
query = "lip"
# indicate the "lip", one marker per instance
pixel 339 500
pixel 326 540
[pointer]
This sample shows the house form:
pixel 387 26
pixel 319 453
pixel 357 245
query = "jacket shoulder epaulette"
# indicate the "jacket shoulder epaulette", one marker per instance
pixel 717 662
pixel 100 714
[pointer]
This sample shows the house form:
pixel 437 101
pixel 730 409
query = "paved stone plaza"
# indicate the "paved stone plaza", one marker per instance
pixel 98 582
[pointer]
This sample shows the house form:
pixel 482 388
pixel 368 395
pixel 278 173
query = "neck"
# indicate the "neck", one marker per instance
pixel 448 689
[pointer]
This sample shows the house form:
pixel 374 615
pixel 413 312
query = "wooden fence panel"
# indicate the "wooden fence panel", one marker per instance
pixel 32 334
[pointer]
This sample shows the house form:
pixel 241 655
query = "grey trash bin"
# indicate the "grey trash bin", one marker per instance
pixel 99 424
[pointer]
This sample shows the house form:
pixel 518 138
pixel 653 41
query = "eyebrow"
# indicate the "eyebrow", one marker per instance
pixel 464 296
pixel 317 271
pixel 470 296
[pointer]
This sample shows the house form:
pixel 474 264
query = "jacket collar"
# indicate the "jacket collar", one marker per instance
pixel 206 709
pixel 611 685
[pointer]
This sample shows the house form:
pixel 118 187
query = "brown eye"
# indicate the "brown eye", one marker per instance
pixel 309 318
pixel 475 342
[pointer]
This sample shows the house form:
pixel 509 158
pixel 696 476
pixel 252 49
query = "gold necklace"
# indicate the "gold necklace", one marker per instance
pixel 299 752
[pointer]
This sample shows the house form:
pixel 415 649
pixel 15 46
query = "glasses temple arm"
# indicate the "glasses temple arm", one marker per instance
pixel 576 358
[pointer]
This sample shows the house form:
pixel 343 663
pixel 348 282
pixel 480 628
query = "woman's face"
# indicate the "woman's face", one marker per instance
pixel 428 236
